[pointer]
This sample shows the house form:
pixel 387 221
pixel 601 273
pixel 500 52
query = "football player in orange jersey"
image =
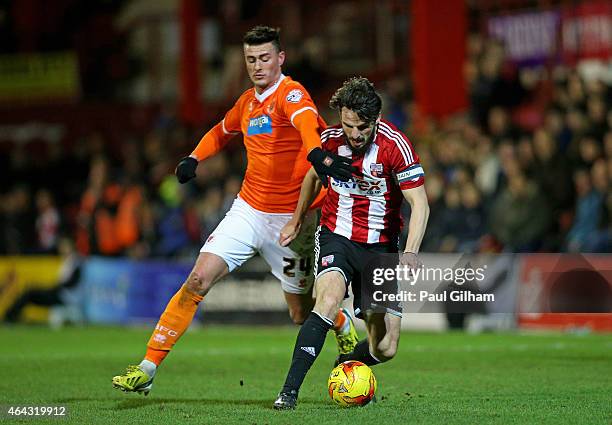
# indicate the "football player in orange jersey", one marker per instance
pixel 281 129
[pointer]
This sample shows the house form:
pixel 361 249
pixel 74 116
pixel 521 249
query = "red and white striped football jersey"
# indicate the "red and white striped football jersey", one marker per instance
pixel 366 209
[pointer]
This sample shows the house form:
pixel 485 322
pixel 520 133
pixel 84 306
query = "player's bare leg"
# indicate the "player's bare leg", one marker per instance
pixel 383 335
pixel 174 321
pixel 330 289
pixel 382 341
pixel 300 305
pixel 208 269
pixel 330 293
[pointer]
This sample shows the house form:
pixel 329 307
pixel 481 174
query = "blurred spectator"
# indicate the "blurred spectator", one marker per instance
pixel 108 220
pixel 47 222
pixel 553 172
pixel 589 213
pixel 63 293
pixel 487 167
pixel 589 150
pixel 434 186
pixel 230 191
pixel 555 126
pixel 576 124
pixel 209 211
pixel 575 91
pixel 473 226
pixel 596 110
pixel 509 165
pixel 492 82
pixel 17 223
pixel 520 217
pixel 451 220
pixel 395 104
pixel 525 155
pixel 173 236
pixel 500 127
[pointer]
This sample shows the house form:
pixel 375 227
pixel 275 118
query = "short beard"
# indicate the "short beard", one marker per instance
pixel 364 148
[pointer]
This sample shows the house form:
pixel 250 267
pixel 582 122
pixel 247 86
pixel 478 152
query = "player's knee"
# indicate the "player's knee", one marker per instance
pixel 199 283
pixel 327 304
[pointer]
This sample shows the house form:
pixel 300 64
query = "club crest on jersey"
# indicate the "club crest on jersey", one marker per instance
pixel 376 169
pixel 270 107
pixel 295 96
pixel 260 125
pixel 327 260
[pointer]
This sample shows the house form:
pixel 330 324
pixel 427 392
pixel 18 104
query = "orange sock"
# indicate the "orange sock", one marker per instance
pixel 173 322
pixel 339 321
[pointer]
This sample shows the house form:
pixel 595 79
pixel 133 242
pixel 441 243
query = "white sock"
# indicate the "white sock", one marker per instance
pixel 149 367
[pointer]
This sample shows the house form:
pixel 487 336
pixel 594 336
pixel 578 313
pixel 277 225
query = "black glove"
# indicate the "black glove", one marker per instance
pixel 328 164
pixel 185 170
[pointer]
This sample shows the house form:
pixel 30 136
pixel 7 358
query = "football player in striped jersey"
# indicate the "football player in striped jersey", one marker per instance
pixel 360 220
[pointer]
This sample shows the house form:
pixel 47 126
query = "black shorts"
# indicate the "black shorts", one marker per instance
pixel 352 260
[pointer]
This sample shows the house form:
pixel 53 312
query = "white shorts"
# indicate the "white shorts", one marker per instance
pixel 246 231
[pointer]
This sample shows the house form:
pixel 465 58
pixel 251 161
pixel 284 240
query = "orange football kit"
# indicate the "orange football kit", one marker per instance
pixel 280 126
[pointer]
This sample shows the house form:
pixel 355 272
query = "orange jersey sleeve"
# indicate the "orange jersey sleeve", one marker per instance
pixel 302 113
pixel 307 123
pixel 309 126
pixel 218 136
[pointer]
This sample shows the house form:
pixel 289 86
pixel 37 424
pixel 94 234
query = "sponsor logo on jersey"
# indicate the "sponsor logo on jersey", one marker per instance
pixel 363 187
pixel 327 260
pixel 295 96
pixel 376 169
pixel 260 125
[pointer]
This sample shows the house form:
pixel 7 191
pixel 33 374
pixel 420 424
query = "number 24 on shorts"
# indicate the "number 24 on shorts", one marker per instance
pixel 305 266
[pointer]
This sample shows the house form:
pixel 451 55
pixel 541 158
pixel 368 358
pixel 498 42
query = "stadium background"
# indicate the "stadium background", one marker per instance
pixel 506 101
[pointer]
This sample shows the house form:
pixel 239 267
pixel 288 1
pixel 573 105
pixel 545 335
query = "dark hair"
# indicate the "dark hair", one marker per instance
pixel 261 35
pixel 358 95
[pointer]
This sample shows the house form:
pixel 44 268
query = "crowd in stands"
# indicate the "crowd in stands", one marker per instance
pixel 527 169
pixel 530 168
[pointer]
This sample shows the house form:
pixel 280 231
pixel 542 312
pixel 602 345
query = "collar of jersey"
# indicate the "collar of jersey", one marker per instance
pixel 375 132
pixel 268 92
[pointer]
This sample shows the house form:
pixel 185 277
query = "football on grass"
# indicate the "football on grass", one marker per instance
pixel 351 383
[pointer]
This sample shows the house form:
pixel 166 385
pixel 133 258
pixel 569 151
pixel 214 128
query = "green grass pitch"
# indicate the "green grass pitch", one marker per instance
pixel 231 375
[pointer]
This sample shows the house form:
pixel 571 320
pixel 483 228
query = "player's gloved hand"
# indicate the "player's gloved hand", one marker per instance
pixel 185 170
pixel 328 164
